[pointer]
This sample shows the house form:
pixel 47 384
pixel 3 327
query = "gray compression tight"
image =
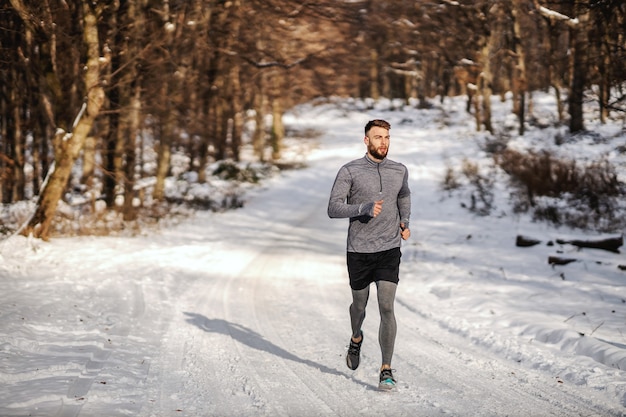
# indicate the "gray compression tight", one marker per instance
pixel 388 328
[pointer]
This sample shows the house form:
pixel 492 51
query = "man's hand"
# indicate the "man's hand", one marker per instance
pixel 406 233
pixel 378 207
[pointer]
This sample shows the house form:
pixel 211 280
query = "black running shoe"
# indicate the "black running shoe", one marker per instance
pixel 354 353
pixel 387 381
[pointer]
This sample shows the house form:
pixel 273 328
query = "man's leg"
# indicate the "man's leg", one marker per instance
pixel 388 328
pixel 357 315
pixel 357 311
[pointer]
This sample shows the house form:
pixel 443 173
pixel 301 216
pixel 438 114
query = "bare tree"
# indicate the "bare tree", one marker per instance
pixel 578 64
pixel 184 75
pixel 68 144
pixel 580 40
pixel 520 81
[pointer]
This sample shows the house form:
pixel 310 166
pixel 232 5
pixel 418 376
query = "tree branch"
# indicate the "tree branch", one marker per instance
pixel 269 64
pixel 554 15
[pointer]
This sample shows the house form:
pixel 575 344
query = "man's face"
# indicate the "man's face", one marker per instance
pixel 377 141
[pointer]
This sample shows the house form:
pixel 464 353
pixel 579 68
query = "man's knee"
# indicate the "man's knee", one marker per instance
pixel 386 308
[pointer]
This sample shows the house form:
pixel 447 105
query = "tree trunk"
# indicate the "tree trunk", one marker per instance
pixel 19 153
pixel 166 110
pixel 36 154
pixel 130 106
pixel 109 181
pixel 207 134
pixel 68 145
pixel 278 129
pixel 260 106
pixel 217 128
pixel 475 101
pixel 238 123
pixel 605 74
pixel 41 150
pixel 373 81
pixel 164 151
pixel 110 121
pixel 203 156
pixel 551 42
pixel 7 153
pixel 579 68
pixel 133 123
pixel 217 107
pixel 386 84
pixel 235 86
pixel 486 78
pixel 89 161
pixel 519 71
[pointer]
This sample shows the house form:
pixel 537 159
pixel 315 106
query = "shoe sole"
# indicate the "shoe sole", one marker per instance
pixel 387 386
pixel 350 365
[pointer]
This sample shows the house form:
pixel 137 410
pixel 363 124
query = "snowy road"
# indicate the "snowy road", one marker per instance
pixel 269 338
pixel 246 313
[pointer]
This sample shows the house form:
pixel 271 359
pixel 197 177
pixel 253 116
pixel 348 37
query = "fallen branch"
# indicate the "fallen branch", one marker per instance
pixel 596 328
pixel 557 260
pixel 610 244
pixel 524 242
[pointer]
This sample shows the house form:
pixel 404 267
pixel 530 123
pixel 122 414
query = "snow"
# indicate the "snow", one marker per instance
pixel 558 16
pixel 245 312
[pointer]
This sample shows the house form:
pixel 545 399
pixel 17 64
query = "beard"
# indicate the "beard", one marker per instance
pixel 376 153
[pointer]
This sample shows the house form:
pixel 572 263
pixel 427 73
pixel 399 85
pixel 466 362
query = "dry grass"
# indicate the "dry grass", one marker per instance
pixel 555 190
pixel 591 192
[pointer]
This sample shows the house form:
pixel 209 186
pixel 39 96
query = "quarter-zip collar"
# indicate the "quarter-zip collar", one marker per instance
pixel 377 165
pixel 371 161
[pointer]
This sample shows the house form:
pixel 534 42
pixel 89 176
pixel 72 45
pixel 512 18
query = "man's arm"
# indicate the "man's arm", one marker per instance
pixel 337 204
pixel 404 206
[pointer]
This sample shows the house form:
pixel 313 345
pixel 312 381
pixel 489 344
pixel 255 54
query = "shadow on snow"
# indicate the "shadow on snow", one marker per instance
pixel 254 340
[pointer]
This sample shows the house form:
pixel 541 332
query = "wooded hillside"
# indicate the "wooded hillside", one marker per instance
pixel 83 83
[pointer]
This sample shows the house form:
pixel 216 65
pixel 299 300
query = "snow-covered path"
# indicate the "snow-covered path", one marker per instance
pixel 269 338
pixel 246 312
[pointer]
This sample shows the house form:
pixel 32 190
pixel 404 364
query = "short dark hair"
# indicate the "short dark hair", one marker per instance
pixel 378 123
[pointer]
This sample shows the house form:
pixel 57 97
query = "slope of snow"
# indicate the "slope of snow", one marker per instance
pixel 246 312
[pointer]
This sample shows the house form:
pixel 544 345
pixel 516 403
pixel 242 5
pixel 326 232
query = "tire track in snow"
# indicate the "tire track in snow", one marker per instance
pixel 291 382
pixel 78 393
pixel 249 305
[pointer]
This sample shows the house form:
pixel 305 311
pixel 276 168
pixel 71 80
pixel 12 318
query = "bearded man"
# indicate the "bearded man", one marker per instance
pixel 373 192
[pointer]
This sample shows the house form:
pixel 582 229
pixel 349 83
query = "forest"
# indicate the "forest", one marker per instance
pixel 98 96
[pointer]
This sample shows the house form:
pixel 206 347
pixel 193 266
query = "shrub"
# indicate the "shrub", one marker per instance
pixel 231 171
pixel 480 186
pixel 561 191
pixel 482 195
pixel 450 180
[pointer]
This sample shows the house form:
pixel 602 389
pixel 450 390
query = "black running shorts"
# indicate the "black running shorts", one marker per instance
pixel 365 268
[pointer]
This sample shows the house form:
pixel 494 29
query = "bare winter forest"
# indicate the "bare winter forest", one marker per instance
pixel 98 96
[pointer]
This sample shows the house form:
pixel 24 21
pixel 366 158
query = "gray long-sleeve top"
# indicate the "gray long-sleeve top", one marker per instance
pixel 358 185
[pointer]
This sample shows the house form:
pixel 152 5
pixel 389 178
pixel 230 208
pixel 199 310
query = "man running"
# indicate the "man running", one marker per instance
pixel 373 192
